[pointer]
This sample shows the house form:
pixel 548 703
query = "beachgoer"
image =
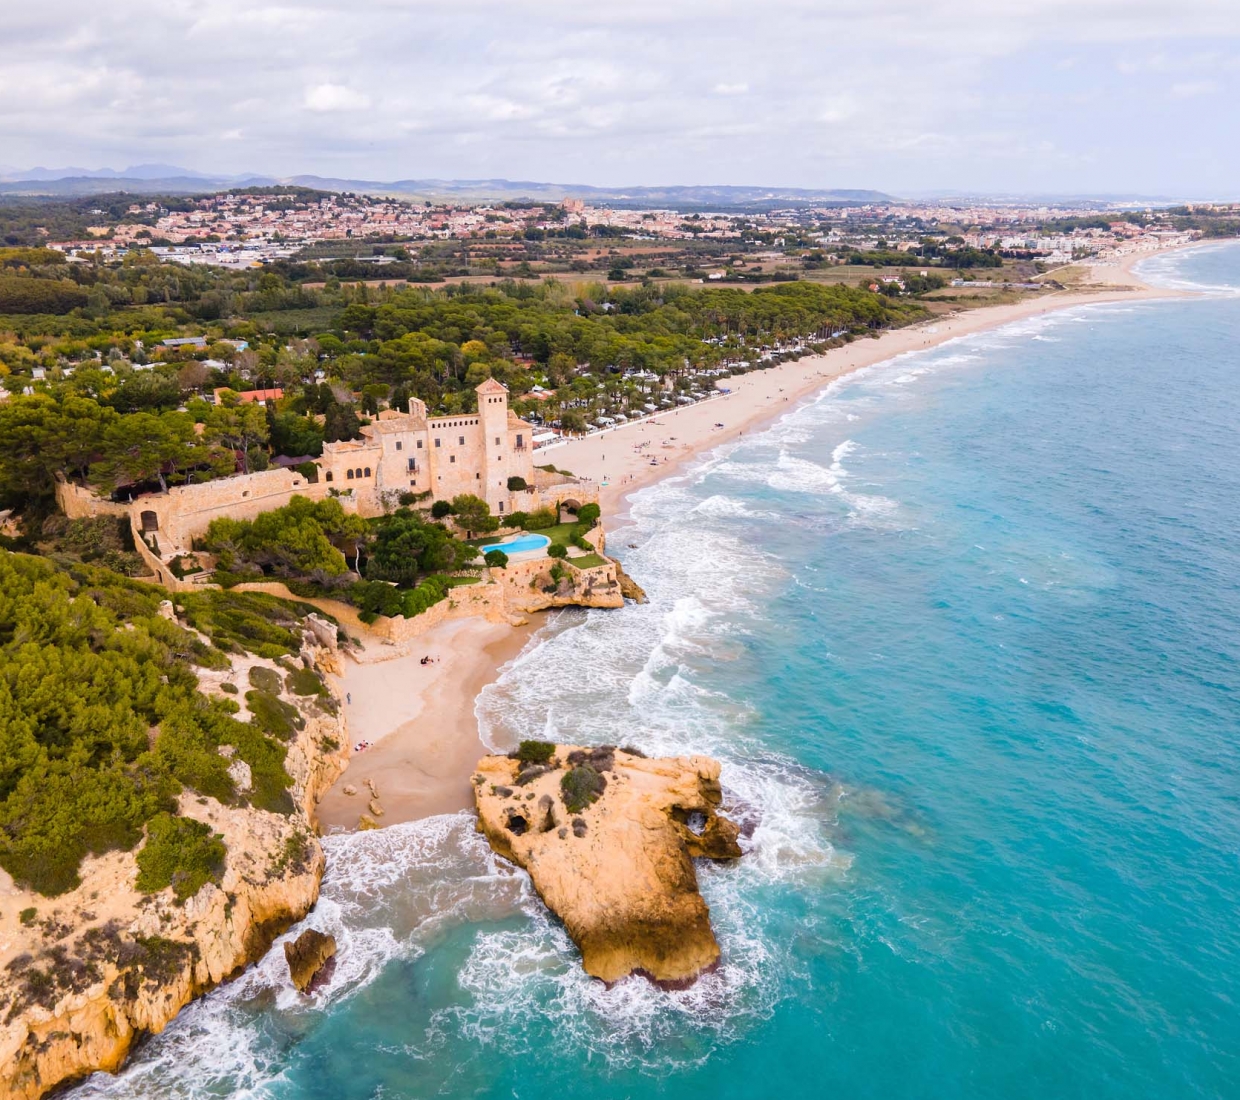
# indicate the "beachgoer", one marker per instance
pixel 348 697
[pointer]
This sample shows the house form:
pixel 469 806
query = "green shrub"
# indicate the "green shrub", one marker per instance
pixel 581 787
pixel 274 716
pixel 441 509
pixel 517 519
pixel 533 752
pixel 416 600
pixel 179 852
pixel 542 518
pixel 303 681
pixel 408 499
pixel 26 916
pixel 589 514
pixel 555 550
pixel 228 687
pixel 517 484
pixel 308 470
pixel 496 559
pixel 265 679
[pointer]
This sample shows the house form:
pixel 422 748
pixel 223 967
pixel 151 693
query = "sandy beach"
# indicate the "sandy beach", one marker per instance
pixel 672 438
pixel 419 720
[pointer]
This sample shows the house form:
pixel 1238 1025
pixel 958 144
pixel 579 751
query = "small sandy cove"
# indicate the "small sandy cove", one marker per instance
pixel 419 719
pixel 613 458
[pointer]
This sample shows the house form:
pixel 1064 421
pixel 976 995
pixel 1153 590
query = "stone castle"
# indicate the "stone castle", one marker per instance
pixel 443 455
pixel 435 458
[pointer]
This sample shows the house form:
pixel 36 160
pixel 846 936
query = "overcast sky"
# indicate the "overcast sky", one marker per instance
pixel 900 95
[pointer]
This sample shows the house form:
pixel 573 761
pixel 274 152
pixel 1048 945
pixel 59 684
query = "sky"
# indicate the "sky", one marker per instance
pixel 903 96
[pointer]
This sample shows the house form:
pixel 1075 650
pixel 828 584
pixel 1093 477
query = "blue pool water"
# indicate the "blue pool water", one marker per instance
pixel 965 632
pixel 519 543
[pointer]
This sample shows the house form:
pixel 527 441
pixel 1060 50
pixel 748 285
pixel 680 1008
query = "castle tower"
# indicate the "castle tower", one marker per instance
pixel 497 464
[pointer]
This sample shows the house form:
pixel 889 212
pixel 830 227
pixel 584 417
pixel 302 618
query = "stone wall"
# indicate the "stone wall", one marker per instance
pixel 79 503
pixel 183 512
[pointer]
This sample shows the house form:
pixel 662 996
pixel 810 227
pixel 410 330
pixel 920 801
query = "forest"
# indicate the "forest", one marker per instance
pixel 103 723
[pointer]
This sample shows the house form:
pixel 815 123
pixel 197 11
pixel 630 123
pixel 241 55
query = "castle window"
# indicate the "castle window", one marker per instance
pixel 368 471
pixel 329 476
pixel 398 446
pixel 413 481
pixel 419 444
pixel 501 505
pixel 349 474
pixel 436 441
pixel 462 440
pixel 497 442
pixel 452 459
pixel 520 440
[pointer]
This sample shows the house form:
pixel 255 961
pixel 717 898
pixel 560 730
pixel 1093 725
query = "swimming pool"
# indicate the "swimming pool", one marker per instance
pixel 518 544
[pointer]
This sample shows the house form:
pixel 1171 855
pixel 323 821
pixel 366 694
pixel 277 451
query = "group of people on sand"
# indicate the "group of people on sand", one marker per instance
pixel 428 660
pixel 362 746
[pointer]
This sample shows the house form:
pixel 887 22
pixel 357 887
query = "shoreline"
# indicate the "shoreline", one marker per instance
pixel 676 437
pixel 420 720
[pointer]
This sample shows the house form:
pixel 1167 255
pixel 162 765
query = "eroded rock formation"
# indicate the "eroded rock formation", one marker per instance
pixel 307 956
pixel 608 838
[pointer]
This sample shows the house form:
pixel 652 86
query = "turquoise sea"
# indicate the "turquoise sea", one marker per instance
pixel 965 631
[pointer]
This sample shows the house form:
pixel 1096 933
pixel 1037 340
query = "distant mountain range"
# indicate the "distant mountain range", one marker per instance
pixel 166 179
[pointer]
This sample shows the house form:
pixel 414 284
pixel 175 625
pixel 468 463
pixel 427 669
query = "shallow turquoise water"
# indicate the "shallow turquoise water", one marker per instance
pixel 965 633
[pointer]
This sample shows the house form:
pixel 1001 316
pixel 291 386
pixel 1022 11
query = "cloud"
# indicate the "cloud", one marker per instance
pixel 1189 89
pixel 895 94
pixel 335 97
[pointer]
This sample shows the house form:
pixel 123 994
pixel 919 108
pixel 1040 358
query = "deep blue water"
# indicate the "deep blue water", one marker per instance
pixel 965 631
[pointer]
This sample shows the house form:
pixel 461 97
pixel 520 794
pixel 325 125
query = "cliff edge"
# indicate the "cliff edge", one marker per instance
pixel 83 975
pixel 609 838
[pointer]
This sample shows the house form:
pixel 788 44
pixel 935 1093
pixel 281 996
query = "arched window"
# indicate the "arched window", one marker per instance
pixel 329 476
pixel 349 474
pixel 368 471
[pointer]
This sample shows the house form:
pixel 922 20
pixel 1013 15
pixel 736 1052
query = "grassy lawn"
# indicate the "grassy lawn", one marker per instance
pixel 588 561
pixel 457 582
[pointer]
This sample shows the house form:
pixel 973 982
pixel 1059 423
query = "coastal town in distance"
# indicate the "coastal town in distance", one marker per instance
pixel 668 551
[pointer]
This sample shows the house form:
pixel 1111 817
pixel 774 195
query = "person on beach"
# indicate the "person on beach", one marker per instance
pixel 348 697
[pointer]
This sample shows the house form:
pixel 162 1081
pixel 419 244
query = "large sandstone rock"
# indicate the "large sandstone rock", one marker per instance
pixel 306 956
pixel 619 871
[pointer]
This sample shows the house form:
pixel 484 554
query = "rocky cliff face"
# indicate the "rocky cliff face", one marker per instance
pixel 608 838
pixel 93 969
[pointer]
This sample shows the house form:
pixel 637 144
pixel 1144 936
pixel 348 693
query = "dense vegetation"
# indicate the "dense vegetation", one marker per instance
pixel 102 724
pixel 403 557
pixel 98 396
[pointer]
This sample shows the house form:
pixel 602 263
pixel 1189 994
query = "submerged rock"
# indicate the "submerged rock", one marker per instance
pixel 609 844
pixel 306 956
